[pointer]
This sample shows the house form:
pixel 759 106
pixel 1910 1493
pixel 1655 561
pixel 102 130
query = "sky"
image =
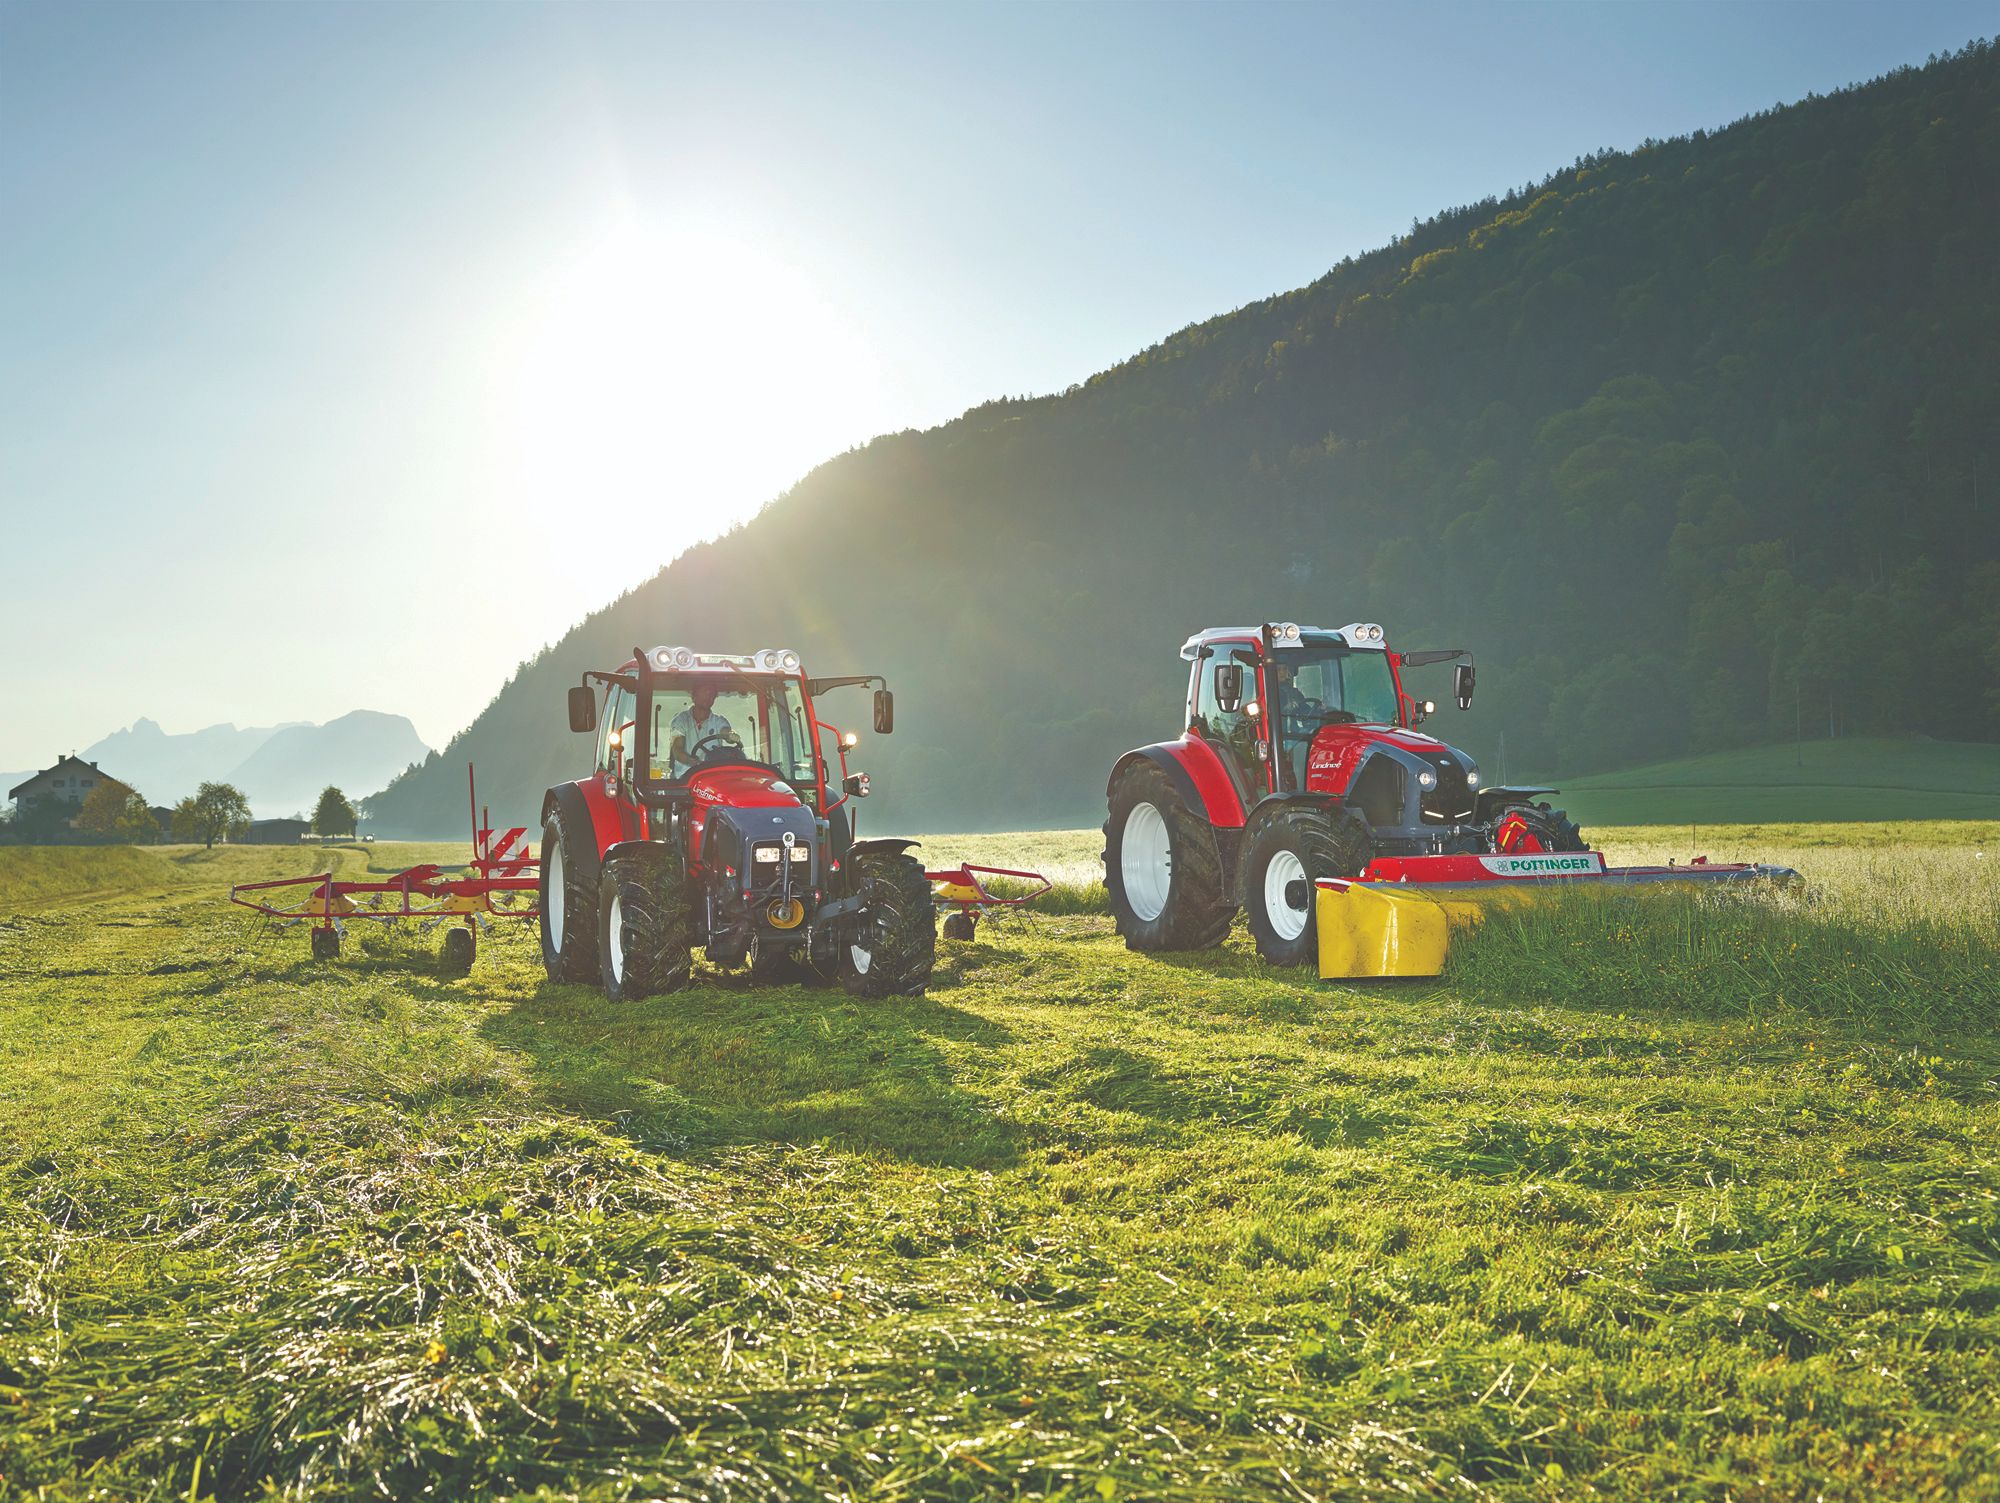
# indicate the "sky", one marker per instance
pixel 349 354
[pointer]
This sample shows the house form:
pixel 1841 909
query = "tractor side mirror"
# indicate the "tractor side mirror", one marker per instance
pixel 885 712
pixel 1462 681
pixel 1229 687
pixel 582 709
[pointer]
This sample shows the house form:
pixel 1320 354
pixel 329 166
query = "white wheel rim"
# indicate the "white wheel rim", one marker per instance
pixel 1145 862
pixel 860 959
pixel 1282 871
pixel 615 941
pixel 555 897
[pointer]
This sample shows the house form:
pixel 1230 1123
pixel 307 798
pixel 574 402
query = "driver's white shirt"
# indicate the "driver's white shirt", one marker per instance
pixel 692 734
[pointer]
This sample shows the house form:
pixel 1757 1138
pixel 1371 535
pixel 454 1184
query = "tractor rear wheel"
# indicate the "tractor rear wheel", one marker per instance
pixel 1162 867
pixel 568 901
pixel 895 946
pixel 642 925
pixel 1530 827
pixel 1286 854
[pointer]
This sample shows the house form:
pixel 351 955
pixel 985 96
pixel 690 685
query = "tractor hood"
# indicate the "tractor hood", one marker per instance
pixel 739 785
pixel 1339 752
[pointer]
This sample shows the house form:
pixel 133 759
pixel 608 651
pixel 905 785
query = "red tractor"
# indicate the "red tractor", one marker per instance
pixel 1301 760
pixel 713 821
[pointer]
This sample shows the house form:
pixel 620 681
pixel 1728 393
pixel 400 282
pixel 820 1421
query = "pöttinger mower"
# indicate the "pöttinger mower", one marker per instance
pixel 714 820
pixel 1302 791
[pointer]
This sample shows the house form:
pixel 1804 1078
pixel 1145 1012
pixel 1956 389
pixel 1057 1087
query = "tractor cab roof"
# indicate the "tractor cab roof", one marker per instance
pixel 1357 634
pixel 688 660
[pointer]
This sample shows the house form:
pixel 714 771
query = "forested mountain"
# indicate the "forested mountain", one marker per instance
pixel 1696 445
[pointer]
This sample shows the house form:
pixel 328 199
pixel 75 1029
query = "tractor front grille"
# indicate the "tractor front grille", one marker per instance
pixel 1452 798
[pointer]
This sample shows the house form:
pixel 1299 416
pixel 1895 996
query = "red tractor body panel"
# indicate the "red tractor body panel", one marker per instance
pixel 1338 751
pixel 1211 780
pixel 732 787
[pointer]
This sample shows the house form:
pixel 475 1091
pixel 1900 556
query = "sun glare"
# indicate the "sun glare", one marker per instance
pixel 686 376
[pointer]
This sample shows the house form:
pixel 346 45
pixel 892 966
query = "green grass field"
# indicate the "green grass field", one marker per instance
pixel 1660 1200
pixel 1861 778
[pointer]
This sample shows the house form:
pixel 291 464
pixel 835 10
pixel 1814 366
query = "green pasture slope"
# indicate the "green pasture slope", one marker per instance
pixel 1864 778
pixel 1659 1201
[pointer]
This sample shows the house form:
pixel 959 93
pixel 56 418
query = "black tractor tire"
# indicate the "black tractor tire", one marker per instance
pixel 1305 842
pixel 1552 827
pixel 460 946
pixel 568 901
pixel 326 944
pixel 643 939
pixel 1182 903
pixel 960 926
pixel 891 952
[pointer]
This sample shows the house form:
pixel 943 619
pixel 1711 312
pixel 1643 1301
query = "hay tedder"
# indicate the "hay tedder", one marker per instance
pixel 1302 792
pixel 500 883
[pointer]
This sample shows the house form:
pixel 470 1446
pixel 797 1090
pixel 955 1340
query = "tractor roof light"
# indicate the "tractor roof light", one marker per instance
pixel 681 658
pixel 1361 633
pixel 1285 634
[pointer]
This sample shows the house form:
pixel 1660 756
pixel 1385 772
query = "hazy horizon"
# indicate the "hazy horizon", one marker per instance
pixel 349 355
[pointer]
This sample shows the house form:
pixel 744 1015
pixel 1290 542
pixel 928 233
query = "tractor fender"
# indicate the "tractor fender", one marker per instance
pixel 581 812
pixel 1197 774
pixel 889 843
pixel 1488 802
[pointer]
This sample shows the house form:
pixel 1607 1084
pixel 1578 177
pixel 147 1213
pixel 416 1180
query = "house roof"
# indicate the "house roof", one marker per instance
pixel 61 763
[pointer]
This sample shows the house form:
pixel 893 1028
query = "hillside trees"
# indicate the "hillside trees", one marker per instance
pixel 1694 445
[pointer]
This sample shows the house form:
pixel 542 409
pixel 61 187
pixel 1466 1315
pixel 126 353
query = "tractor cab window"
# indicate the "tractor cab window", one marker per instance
pixel 715 719
pixel 614 729
pixel 1316 686
pixel 1233 733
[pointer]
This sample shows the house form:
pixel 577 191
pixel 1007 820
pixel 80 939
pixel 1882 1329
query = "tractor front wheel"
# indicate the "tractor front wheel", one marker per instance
pixel 1162 868
pixel 891 952
pixel 642 926
pixel 1537 827
pixel 1285 856
pixel 568 901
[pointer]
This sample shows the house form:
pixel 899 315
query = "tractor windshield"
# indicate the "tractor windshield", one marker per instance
pixel 711 719
pixel 1318 686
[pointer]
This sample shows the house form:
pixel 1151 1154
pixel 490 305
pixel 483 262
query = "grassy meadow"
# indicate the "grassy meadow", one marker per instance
pixel 1662 1199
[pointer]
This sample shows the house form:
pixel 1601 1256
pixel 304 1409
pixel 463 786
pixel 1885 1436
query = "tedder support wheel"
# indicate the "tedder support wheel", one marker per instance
pixel 1285 855
pixel 642 926
pixel 959 926
pixel 459 947
pixel 1162 867
pixel 326 944
pixel 568 900
pixel 891 952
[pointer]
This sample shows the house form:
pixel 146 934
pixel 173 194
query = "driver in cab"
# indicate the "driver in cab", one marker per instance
pixel 695 725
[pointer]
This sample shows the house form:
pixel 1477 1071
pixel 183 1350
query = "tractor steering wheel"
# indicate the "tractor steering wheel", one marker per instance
pixel 729 738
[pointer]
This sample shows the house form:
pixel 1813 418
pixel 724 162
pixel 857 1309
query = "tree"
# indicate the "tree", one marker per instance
pixel 136 824
pixel 215 812
pixel 103 806
pixel 335 815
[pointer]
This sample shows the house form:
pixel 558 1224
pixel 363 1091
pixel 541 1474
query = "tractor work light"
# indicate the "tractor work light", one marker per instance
pixel 850 739
pixel 1430 707
pixel 1359 633
pixel 1252 708
pixel 789 661
pixel 1285 634
pixel 674 657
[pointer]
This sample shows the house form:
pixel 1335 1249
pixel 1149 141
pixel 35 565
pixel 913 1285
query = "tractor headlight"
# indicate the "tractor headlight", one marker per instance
pixel 801 853
pixel 1472 777
pixel 1427 779
pixel 768 853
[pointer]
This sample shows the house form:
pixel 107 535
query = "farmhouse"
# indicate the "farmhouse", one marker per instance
pixel 274 832
pixel 68 782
